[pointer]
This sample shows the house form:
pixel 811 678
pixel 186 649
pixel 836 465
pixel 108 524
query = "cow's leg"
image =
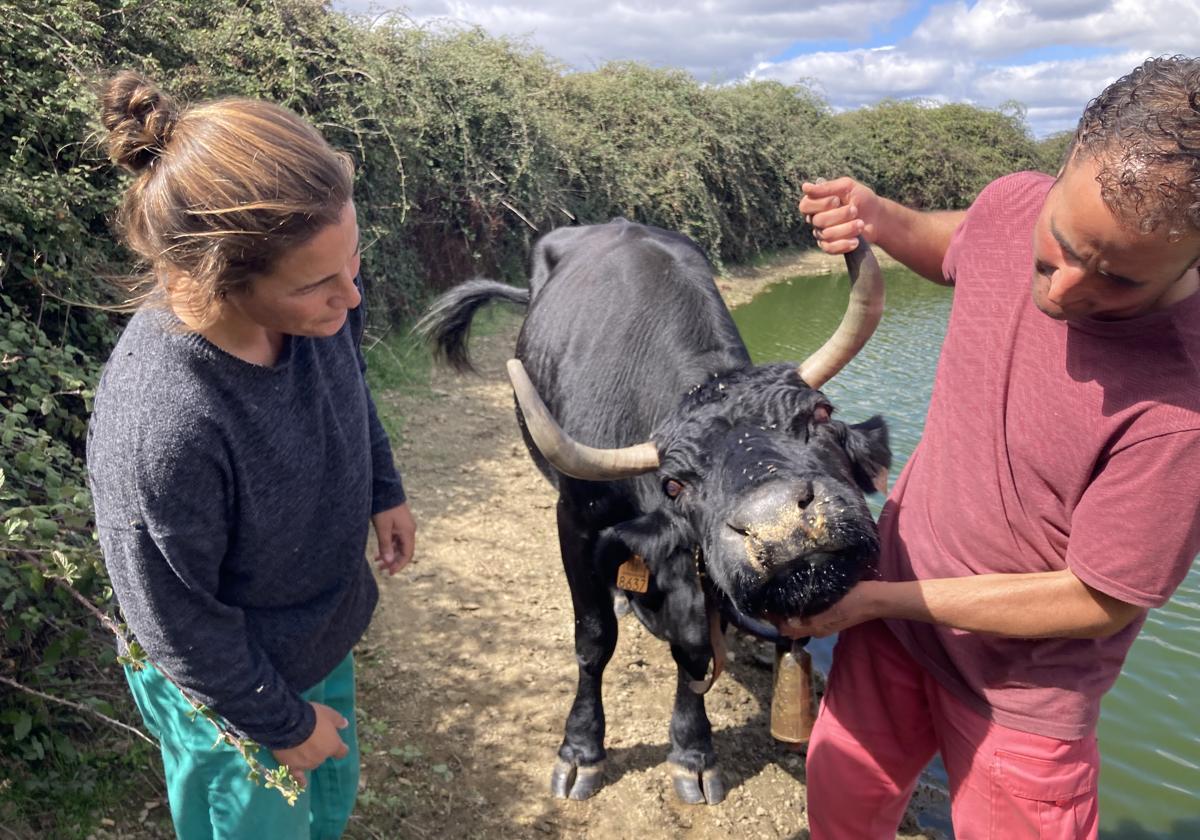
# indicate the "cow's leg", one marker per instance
pixel 692 759
pixel 578 772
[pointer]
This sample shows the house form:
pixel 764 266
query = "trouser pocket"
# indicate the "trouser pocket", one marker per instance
pixel 1043 799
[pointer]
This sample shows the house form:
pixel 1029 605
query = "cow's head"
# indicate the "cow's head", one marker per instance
pixel 754 471
pixel 758 473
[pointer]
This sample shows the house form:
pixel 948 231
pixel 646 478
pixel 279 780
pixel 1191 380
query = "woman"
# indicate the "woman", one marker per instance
pixel 235 456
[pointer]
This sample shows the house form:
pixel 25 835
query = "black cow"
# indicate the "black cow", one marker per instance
pixel 706 465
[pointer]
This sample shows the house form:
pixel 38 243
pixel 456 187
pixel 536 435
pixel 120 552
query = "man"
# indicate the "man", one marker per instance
pixel 1053 498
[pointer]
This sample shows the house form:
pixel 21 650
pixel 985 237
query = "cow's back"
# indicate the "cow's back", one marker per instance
pixel 624 319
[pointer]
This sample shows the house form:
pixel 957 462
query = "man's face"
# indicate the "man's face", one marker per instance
pixel 1089 265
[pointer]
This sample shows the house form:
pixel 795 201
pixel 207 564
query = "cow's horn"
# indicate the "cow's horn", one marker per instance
pixel 568 456
pixel 862 316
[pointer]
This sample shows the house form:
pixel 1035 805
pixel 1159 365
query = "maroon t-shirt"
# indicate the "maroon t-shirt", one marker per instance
pixel 1046 446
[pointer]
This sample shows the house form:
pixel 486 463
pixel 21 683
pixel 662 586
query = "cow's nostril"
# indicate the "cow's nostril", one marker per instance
pixel 805 496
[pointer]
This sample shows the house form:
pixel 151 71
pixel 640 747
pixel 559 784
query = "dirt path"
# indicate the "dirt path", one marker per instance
pixel 468 670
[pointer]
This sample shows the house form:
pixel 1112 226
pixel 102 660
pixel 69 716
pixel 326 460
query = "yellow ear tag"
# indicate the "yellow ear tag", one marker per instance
pixel 633 575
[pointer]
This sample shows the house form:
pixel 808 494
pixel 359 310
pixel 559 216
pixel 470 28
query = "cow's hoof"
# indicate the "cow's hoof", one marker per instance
pixel 570 781
pixel 694 788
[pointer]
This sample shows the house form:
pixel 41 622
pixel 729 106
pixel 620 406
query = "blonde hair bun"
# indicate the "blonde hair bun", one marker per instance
pixel 140 119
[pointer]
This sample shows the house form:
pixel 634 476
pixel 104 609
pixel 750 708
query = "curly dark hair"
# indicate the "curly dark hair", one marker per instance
pixel 1144 130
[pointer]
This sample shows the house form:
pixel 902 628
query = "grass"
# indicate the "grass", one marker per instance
pixel 67 799
pixel 399 361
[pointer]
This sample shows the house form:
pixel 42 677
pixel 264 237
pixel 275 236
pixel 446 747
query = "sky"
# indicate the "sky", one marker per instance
pixel 1052 56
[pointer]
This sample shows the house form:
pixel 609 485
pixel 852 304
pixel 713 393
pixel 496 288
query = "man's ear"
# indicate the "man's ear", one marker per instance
pixel 870 456
pixel 1068 158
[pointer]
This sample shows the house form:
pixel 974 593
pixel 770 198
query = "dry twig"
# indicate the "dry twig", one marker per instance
pixel 78 707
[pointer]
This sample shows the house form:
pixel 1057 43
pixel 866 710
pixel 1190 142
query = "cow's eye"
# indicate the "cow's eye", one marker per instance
pixel 672 488
pixel 822 413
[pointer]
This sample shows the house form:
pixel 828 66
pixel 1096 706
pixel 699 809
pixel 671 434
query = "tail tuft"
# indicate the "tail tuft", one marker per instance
pixel 447 324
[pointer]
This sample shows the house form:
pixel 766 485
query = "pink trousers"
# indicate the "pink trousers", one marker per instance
pixel 882 720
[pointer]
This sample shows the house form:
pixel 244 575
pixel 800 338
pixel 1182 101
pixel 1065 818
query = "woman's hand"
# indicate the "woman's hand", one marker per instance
pixel 396 533
pixel 323 743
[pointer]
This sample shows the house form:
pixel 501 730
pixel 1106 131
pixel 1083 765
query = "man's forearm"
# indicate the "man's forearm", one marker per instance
pixel 1037 605
pixel 917 239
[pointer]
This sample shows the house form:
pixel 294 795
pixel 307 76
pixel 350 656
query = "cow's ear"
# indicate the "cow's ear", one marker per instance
pixel 549 249
pixel 651 535
pixel 870 456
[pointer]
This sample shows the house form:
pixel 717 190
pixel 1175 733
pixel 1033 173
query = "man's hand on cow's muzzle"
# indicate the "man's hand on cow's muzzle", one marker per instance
pixel 858 605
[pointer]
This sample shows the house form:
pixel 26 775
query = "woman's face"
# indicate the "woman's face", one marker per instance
pixel 311 287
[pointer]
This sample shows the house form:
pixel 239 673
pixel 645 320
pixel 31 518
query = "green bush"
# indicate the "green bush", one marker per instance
pixel 931 156
pixel 769 139
pixel 723 165
pixel 1052 151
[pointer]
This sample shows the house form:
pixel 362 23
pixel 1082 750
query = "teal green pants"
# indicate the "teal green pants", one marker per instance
pixel 210 796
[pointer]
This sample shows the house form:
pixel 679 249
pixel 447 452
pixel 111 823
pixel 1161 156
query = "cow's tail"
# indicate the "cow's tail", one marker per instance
pixel 447 324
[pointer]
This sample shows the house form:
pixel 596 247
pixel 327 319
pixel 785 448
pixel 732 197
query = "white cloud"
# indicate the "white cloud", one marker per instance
pixel 858 77
pixel 1054 92
pixel 1068 9
pixel 972 54
pixel 994 28
pixel 1049 83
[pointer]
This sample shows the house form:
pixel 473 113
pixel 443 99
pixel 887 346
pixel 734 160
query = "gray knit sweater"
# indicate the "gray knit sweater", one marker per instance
pixel 232 504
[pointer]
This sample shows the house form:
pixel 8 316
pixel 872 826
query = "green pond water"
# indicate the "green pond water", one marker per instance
pixel 1150 726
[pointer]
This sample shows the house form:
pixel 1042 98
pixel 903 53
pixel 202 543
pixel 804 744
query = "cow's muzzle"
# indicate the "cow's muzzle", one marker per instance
pixel 782 522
